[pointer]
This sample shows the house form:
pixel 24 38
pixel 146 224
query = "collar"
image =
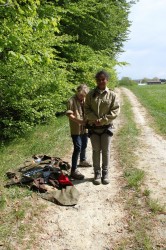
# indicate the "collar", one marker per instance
pixel 76 97
pixel 102 91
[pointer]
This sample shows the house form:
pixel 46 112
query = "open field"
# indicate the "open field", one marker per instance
pixel 153 97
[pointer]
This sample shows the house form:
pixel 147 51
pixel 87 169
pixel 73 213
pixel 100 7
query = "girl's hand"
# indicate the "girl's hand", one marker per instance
pixel 81 122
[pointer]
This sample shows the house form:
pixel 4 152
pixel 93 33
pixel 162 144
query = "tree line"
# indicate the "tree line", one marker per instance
pixel 49 47
pixel 127 81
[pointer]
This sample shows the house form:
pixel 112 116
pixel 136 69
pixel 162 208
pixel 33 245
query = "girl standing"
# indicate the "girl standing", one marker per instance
pixel 101 108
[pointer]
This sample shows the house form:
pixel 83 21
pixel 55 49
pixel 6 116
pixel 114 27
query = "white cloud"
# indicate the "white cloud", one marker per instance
pixel 146 48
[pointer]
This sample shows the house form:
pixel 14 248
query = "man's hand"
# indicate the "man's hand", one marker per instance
pixel 97 122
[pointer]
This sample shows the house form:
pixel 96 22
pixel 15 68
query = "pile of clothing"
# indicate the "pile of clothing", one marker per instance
pixel 48 176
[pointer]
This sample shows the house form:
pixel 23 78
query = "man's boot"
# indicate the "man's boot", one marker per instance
pixel 97 178
pixel 105 179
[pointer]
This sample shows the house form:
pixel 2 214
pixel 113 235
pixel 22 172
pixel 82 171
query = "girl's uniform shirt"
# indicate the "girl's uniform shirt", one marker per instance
pixel 75 107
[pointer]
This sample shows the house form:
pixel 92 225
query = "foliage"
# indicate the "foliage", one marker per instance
pixel 126 81
pixel 27 76
pixel 97 24
pixel 47 48
pixel 145 80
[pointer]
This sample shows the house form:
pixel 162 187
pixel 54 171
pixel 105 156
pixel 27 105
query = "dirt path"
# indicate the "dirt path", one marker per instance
pixel 152 153
pixel 97 222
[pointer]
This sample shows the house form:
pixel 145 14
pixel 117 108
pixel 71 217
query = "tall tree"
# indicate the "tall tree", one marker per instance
pixel 49 46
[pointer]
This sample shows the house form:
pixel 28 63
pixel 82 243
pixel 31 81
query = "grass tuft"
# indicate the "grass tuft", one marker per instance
pixel 155 206
pixel 146 192
pixel 134 177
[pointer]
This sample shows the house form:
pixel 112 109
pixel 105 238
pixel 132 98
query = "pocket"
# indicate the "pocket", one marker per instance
pixel 105 106
pixel 106 102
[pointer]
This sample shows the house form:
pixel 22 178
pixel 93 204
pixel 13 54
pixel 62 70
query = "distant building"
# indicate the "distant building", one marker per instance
pixel 163 80
pixel 153 82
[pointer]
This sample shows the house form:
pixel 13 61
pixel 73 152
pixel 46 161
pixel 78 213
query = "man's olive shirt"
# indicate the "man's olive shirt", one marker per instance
pixel 102 105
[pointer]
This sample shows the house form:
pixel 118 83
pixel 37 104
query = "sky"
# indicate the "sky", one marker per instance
pixel 145 50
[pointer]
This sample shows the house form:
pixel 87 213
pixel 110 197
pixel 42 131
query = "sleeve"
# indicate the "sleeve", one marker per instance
pixel 89 113
pixel 113 113
pixel 70 107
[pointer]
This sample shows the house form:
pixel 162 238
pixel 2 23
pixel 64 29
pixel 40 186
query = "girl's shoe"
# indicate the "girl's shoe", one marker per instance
pixel 85 164
pixel 77 175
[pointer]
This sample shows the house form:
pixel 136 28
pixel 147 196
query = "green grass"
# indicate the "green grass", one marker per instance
pixel 134 177
pixel 19 206
pixel 153 97
pixel 51 139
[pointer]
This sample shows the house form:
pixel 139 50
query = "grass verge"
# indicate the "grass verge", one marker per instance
pixel 20 208
pixel 153 98
pixel 141 209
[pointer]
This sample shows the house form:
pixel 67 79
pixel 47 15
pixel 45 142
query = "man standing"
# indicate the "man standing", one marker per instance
pixel 101 108
pixel 75 113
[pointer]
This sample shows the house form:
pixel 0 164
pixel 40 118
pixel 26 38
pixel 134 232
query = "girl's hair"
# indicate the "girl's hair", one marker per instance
pixel 82 89
pixel 102 72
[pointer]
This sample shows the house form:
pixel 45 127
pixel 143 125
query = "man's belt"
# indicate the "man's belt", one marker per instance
pixel 88 126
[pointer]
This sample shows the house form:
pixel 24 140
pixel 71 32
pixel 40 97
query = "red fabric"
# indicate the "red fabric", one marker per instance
pixel 64 180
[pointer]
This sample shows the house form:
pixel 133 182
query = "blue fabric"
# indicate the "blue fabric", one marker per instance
pixel 80 144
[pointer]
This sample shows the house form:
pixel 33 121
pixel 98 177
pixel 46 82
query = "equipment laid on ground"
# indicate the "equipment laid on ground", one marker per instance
pixel 48 176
